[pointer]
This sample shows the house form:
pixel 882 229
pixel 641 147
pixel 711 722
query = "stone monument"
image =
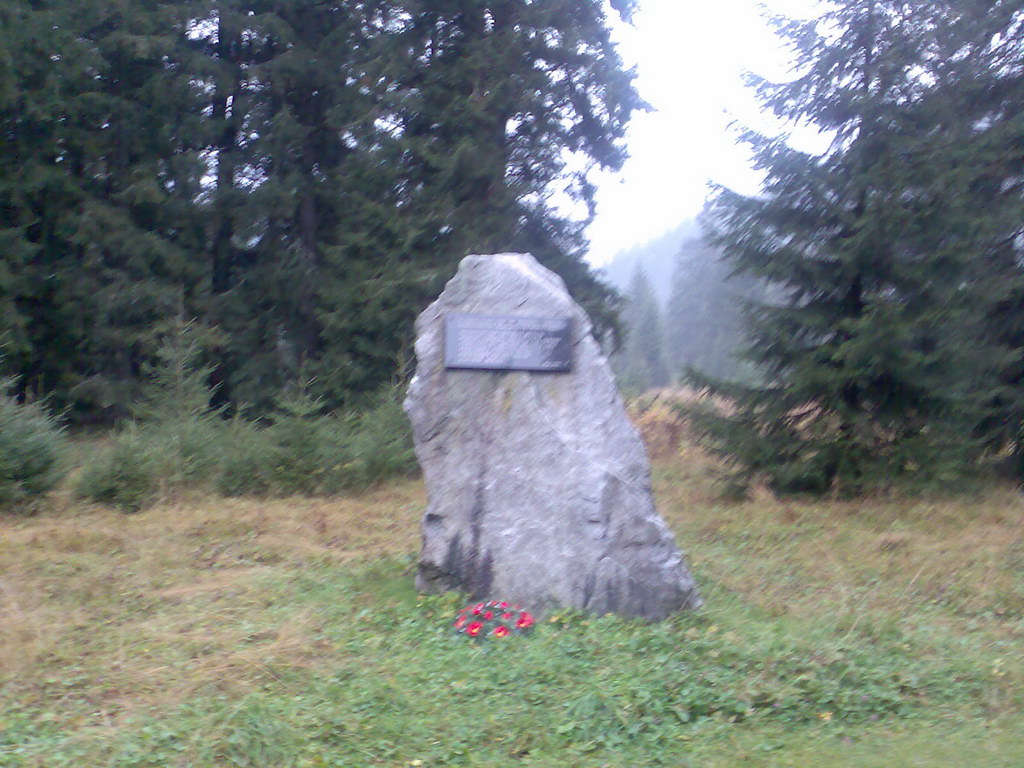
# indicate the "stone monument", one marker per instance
pixel 538 485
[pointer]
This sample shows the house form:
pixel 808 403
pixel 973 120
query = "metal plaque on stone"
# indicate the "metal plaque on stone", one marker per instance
pixel 508 343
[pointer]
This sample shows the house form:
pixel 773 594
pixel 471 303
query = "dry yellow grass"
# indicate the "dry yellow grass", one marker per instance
pixel 141 611
pixel 138 613
pixel 863 565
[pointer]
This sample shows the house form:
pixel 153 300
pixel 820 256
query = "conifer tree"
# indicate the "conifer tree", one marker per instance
pixel 31 449
pixel 703 316
pixel 99 185
pixel 872 354
pixel 303 176
pixel 43 68
pixel 979 87
pixel 293 192
pixel 641 362
pixel 485 102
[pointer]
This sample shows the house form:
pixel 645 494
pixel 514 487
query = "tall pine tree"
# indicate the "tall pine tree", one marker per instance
pixel 299 176
pixel 872 355
pixel 975 101
pixel 98 183
pixel 641 363
pixel 703 316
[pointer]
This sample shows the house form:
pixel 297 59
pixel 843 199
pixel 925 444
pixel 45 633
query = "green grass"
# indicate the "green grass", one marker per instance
pixel 287 633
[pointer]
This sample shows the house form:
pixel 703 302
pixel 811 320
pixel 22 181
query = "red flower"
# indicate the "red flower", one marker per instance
pixel 493 617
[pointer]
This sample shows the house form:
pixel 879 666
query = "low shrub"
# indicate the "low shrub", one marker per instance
pixel 306 452
pixel 149 462
pixel 176 442
pixel 186 454
pixel 124 474
pixel 31 450
pixel 301 452
pixel 244 468
pixel 381 444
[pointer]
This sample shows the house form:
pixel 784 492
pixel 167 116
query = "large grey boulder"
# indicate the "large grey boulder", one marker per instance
pixel 538 485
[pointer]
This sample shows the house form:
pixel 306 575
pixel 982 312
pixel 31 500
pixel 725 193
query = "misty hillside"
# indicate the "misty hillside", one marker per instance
pixel 658 257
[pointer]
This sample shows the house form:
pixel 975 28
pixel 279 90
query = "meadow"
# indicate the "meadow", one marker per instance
pixel 286 633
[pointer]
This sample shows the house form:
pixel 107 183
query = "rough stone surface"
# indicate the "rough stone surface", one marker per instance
pixel 538 485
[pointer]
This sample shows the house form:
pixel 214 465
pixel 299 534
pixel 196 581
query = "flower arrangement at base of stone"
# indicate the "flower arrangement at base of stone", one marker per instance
pixel 494 619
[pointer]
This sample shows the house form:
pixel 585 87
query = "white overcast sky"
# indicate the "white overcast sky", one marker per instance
pixel 690 57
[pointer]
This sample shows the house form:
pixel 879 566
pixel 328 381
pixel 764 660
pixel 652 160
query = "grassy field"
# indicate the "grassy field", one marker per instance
pixel 287 633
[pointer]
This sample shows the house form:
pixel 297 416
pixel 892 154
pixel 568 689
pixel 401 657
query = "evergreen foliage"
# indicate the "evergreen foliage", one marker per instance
pixel 306 447
pixel 31 450
pixel 876 363
pixel 175 442
pixel 305 451
pixel 703 315
pixel 382 444
pixel 978 91
pixel 641 362
pixel 301 177
pixel 98 175
pixel 125 474
pixel 178 442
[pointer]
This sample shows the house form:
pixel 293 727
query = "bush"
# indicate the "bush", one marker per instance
pixel 303 451
pixel 177 441
pixel 382 445
pixel 148 462
pixel 184 454
pixel 246 462
pixel 31 450
pixel 123 475
pixel 308 450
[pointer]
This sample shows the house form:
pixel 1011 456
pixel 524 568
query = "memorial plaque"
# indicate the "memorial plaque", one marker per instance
pixel 508 343
pixel 538 487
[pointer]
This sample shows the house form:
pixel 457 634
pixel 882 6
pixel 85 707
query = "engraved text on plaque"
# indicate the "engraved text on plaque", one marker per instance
pixel 508 343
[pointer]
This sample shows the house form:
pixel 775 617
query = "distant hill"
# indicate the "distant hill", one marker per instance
pixel 657 256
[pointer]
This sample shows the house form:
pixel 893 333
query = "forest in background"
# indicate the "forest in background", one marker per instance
pixel 294 179
pixel 880 282
pixel 275 189
pixel 682 310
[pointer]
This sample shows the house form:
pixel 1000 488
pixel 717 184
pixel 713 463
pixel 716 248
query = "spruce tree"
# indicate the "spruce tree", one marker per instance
pixel 871 354
pixel 641 363
pixel 302 176
pixel 290 193
pixel 43 69
pixel 31 450
pixel 485 102
pixel 703 316
pixel 99 181
pixel 979 87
